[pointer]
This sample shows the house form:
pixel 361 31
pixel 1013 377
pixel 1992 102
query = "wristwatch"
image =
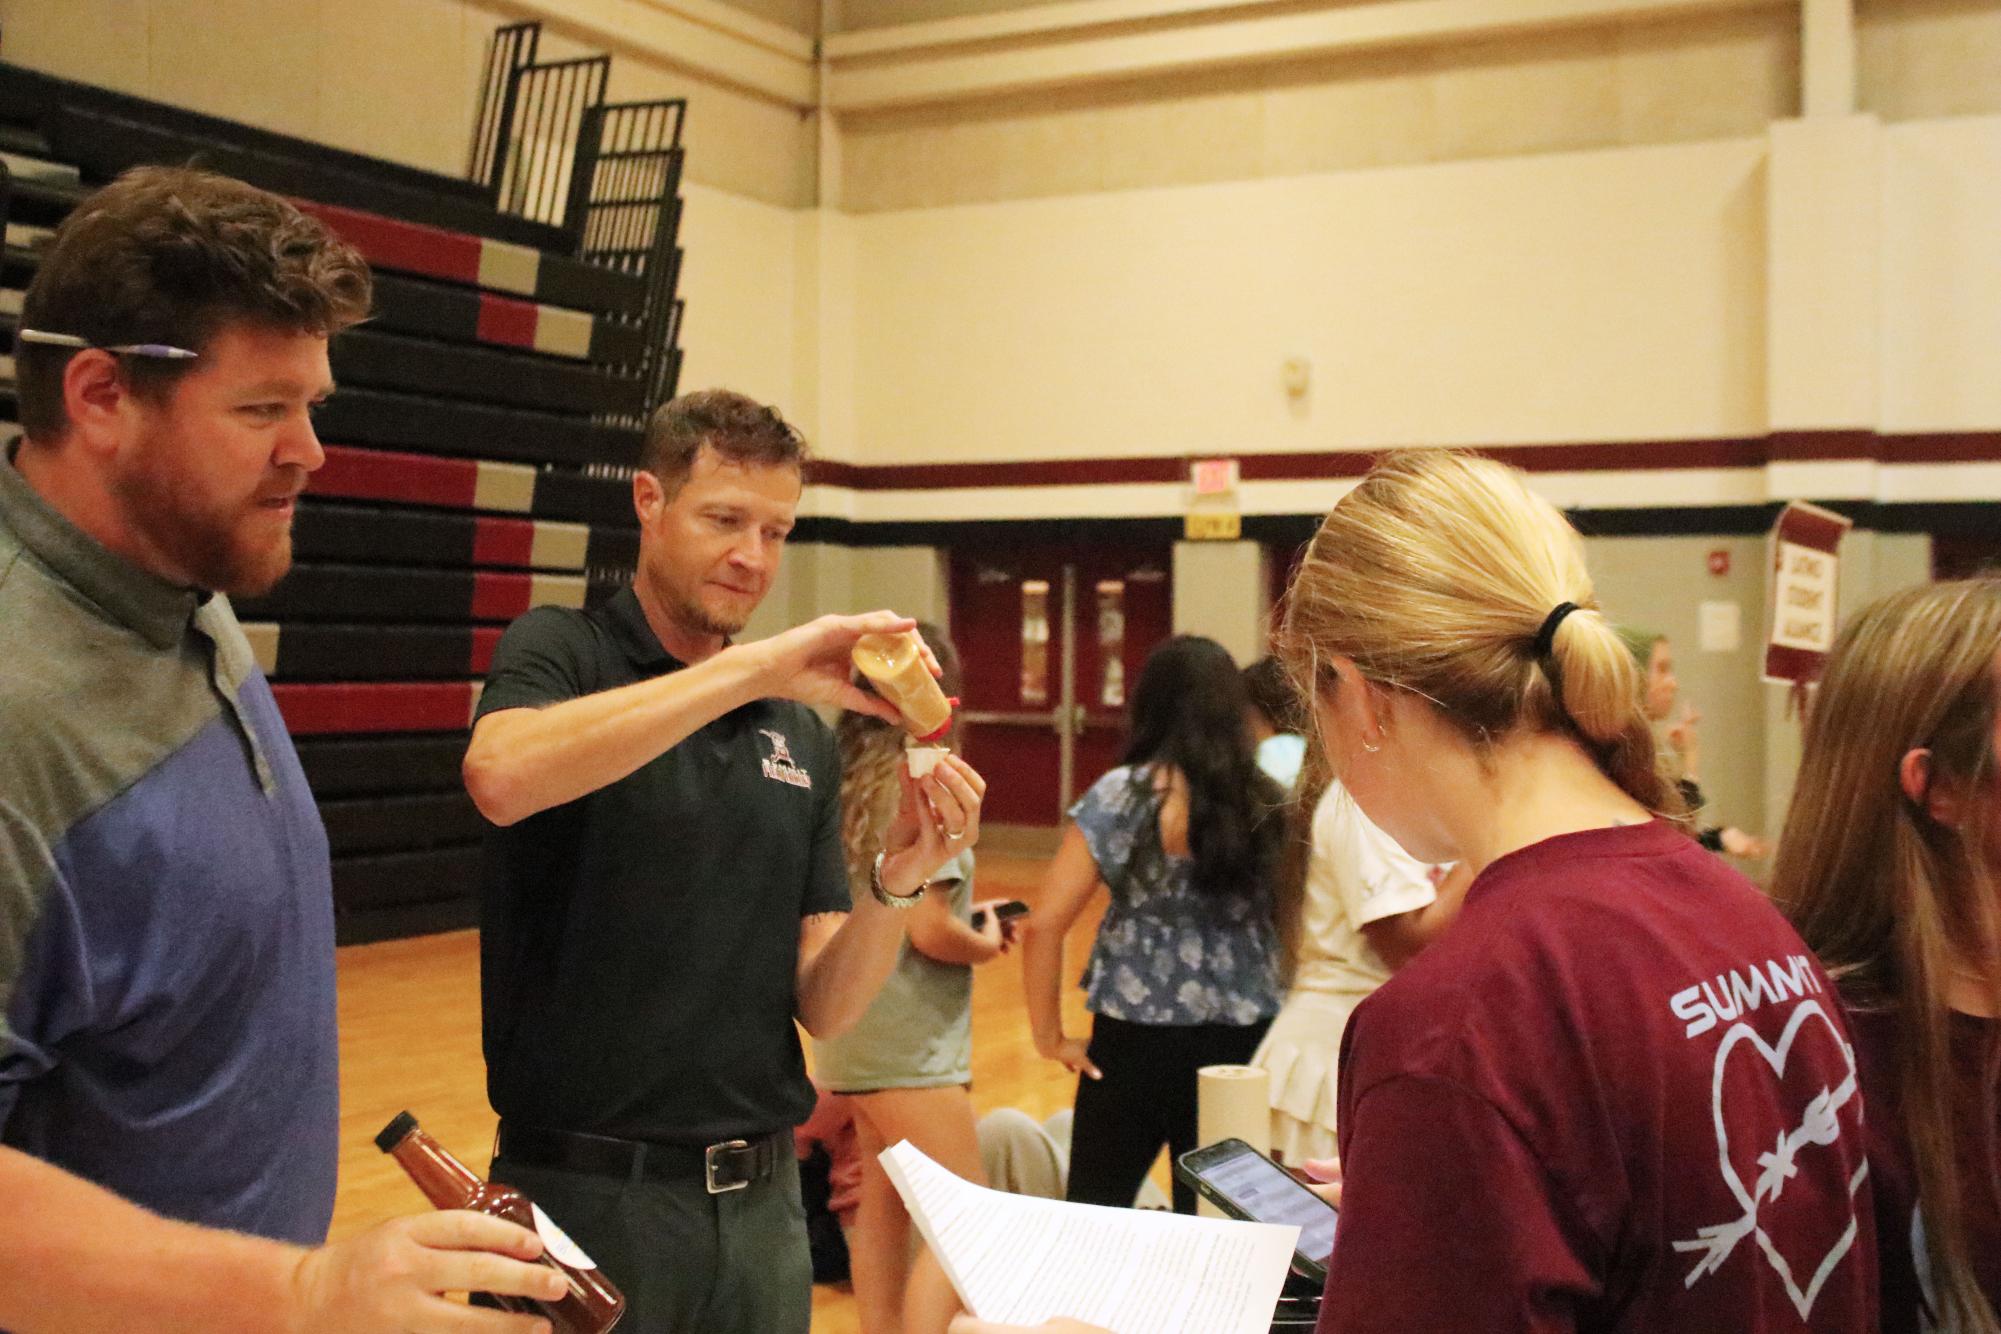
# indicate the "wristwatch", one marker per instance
pixel 883 896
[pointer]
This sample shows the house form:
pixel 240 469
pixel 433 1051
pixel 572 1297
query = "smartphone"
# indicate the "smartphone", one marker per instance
pixel 1243 1183
pixel 1011 908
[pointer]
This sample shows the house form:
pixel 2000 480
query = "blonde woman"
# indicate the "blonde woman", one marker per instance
pixel 1891 866
pixel 1660 687
pixel 1616 1094
pixel 908 1063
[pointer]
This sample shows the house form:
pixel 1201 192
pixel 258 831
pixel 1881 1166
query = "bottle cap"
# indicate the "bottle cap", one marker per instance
pixel 944 727
pixel 394 1133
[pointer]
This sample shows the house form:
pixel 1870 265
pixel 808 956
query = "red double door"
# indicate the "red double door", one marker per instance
pixel 1052 638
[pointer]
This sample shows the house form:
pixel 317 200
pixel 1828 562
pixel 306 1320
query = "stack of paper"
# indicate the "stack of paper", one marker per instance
pixel 1020 1260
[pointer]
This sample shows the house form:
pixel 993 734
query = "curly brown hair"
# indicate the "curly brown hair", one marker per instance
pixel 173 255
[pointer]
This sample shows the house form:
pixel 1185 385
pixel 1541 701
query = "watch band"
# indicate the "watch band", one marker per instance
pixel 883 896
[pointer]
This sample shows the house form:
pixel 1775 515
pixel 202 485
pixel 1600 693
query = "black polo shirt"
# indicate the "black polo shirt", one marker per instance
pixel 639 946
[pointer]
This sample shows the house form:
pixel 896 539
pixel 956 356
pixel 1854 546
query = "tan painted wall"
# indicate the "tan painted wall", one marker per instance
pixel 1614 295
pixel 398 79
pixel 1615 85
pixel 1942 275
pixel 1918 59
pixel 855 15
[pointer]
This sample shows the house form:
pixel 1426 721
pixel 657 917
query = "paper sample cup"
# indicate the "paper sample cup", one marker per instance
pixel 923 759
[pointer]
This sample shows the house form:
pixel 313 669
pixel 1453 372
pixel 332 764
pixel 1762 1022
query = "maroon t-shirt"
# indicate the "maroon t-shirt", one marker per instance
pixel 1893 1176
pixel 1616 1095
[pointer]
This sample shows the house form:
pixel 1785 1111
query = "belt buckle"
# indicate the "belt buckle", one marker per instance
pixel 709 1156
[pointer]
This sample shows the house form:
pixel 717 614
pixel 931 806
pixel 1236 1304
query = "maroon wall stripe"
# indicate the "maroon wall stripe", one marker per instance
pixel 1636 456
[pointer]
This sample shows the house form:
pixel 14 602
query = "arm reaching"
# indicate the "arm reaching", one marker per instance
pixel 1066 888
pixel 75 1257
pixel 526 760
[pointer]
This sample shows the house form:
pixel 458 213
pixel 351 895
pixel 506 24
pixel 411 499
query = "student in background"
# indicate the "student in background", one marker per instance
pixel 1185 836
pixel 1277 725
pixel 908 1063
pixel 1367 909
pixel 1890 864
pixel 1656 658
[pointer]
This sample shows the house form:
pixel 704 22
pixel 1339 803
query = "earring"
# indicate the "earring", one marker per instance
pixel 1368 749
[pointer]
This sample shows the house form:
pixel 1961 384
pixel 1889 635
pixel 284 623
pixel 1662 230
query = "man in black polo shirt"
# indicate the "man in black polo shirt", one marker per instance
pixel 667 892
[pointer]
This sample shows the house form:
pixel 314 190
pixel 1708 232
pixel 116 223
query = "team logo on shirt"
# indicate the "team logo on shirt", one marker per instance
pixel 1746 1063
pixel 779 765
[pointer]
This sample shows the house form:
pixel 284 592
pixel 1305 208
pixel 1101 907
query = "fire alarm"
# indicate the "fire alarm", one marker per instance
pixel 1719 562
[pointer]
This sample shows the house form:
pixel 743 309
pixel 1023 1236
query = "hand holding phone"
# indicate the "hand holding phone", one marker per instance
pixel 1245 1184
pixel 1004 911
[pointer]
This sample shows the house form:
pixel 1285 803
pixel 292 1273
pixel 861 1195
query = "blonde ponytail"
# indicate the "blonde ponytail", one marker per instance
pixel 1438 575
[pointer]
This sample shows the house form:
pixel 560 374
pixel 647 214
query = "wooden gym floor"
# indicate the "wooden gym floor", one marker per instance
pixel 409 1038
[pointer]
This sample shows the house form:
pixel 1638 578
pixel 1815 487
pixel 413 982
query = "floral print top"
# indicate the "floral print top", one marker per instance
pixel 1166 953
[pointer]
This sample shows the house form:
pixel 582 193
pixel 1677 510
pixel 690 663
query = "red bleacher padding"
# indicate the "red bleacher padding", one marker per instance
pixel 503 541
pixel 500 597
pixel 380 474
pixel 409 246
pixel 355 473
pixel 504 320
pixel 380 706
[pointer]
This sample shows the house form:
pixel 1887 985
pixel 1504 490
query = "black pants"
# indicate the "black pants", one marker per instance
pixel 1146 1099
pixel 687 1261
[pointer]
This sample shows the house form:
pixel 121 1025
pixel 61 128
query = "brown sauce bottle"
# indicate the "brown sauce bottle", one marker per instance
pixel 592 1304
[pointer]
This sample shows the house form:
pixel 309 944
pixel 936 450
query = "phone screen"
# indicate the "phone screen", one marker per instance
pixel 1263 1190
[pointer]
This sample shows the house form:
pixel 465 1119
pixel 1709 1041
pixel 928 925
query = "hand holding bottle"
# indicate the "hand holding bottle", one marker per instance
pixel 391 1278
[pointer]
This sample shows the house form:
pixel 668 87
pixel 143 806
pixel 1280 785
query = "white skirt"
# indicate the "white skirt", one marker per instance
pixel 1302 1052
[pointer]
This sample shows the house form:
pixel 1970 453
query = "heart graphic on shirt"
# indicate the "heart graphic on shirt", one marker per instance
pixel 1819 1125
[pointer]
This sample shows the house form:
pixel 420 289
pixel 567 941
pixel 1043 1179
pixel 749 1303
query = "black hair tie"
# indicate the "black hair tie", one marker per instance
pixel 1545 638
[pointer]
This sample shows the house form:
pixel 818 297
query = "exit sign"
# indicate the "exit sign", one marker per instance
pixel 1213 477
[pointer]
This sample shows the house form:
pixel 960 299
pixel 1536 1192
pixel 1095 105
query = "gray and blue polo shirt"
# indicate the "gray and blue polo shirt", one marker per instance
pixel 166 906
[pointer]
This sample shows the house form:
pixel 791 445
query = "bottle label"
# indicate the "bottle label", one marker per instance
pixel 558 1242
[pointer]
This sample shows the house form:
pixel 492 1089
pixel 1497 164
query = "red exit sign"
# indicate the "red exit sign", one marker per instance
pixel 1213 477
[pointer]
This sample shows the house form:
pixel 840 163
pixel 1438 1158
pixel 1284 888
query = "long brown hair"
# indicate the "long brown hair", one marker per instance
pixel 1892 899
pixel 1435 576
pixel 871 750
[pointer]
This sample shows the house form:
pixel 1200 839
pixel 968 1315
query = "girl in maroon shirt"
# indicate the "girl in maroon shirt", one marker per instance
pixel 1617 1094
pixel 1891 866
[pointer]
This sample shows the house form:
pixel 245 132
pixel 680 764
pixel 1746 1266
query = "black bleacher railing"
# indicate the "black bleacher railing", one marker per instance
pixel 627 201
pixel 512 50
pixel 550 104
pixel 479 453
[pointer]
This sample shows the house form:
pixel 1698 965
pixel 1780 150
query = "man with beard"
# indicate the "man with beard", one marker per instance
pixel 668 891
pixel 168 1092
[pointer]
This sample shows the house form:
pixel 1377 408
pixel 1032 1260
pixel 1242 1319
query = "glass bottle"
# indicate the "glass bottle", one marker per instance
pixel 591 1306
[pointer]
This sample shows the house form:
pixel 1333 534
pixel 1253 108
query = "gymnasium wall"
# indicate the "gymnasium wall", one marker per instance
pixel 399 79
pixel 1615 233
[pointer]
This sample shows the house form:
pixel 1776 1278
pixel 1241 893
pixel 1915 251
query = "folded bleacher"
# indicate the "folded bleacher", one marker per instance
pixel 479 450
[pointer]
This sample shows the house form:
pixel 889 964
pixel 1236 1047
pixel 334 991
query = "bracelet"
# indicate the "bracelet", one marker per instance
pixel 883 896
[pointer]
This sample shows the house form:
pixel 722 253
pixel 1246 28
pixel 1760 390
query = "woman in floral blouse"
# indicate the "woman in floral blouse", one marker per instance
pixel 1186 838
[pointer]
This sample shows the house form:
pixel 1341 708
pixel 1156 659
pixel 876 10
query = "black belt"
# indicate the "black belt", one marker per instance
pixel 722 1167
